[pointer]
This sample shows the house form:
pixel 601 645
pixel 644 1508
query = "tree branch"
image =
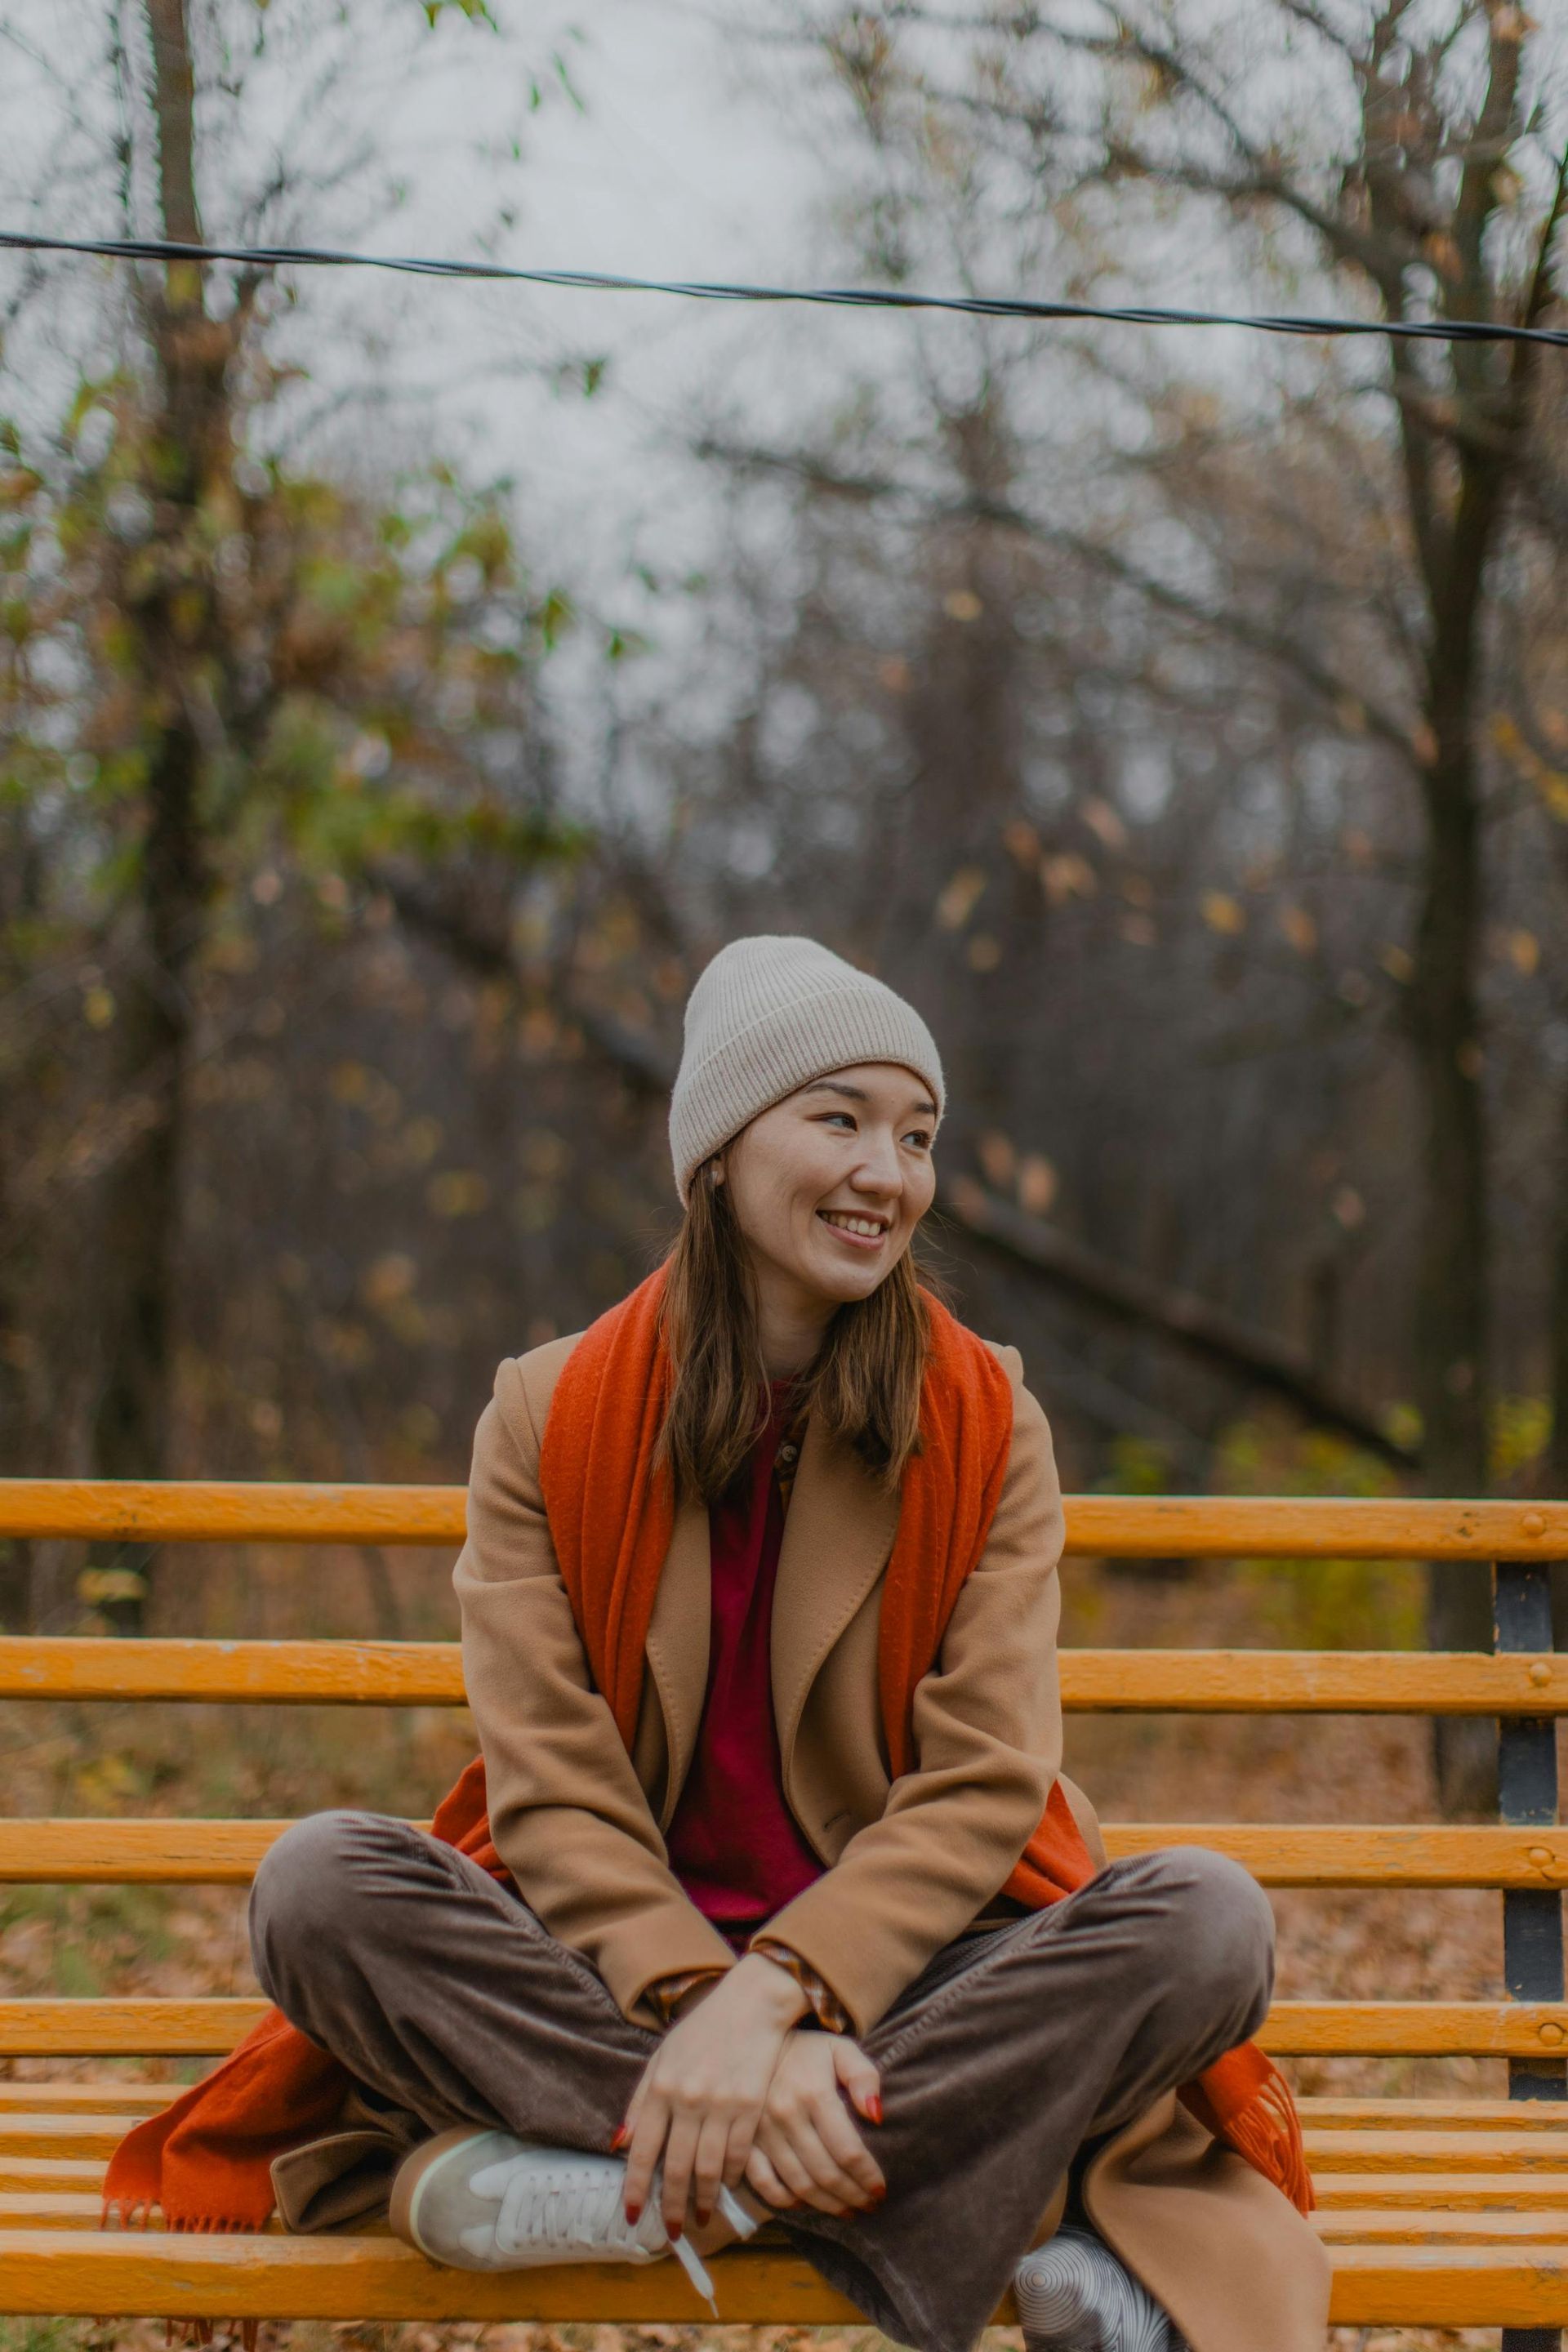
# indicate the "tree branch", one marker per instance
pixel 1126 1295
pixel 1256 636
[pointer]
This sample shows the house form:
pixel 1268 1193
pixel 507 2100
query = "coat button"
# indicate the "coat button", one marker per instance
pixel 788 1452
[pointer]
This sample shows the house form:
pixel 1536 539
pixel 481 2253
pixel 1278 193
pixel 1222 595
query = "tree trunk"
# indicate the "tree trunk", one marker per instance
pixel 170 620
pixel 15 1554
pixel 1452 1287
pixel 1553 1470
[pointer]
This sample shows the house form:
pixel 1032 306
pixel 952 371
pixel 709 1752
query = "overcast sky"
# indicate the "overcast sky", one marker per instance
pixel 700 144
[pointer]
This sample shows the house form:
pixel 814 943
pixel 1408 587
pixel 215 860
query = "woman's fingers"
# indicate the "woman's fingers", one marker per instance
pixel 760 2175
pixel 824 2166
pixel 787 2160
pixel 629 2121
pixel 798 2108
pixel 679 2155
pixel 859 2076
pixel 852 2160
pixel 708 2166
pixel 742 2136
pixel 643 2151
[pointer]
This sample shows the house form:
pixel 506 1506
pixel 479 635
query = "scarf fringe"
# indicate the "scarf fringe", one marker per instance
pixel 203 2331
pixel 136 2213
pixel 127 2213
pixel 1267 2132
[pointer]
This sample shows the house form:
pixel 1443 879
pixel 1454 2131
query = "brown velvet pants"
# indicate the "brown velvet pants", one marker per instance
pixel 449 2002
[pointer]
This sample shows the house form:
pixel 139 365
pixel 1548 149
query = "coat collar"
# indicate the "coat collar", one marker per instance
pixel 838 1532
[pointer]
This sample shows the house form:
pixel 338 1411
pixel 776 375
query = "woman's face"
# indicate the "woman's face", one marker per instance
pixel 829 1184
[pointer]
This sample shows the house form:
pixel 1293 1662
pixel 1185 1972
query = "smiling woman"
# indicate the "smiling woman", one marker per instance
pixel 767 1896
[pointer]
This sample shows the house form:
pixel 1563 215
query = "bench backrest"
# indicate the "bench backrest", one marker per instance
pixel 1523 1684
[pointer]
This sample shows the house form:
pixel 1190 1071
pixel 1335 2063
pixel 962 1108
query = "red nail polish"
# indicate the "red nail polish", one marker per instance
pixel 674 2229
pixel 633 2214
pixel 621 2137
pixel 703 2218
pixel 874 2106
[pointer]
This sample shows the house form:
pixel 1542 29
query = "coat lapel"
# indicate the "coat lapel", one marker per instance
pixel 838 1532
pixel 677 1645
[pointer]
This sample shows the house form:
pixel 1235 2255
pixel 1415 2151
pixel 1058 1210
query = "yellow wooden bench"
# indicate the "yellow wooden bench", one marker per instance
pixel 1448 2211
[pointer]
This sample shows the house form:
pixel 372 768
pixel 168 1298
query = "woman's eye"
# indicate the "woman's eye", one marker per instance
pixel 920 1135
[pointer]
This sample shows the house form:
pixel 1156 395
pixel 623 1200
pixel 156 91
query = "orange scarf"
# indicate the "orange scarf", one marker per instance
pixel 204 2159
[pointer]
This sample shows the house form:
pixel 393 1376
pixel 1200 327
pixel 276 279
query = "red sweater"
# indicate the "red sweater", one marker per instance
pixel 733 1842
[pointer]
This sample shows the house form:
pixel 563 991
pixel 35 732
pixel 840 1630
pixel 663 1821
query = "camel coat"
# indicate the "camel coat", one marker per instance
pixel 579 1821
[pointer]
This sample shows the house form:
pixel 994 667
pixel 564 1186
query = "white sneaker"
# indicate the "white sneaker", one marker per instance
pixel 1074 2296
pixel 485 2200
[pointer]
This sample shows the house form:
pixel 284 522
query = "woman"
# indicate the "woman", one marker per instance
pixel 769 1899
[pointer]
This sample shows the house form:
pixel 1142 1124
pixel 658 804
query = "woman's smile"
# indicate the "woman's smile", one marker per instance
pixel 855 1229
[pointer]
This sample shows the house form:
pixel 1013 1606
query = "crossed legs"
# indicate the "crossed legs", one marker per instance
pixel 445 1995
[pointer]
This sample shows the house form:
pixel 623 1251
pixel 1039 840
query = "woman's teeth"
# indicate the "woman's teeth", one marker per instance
pixel 866 1228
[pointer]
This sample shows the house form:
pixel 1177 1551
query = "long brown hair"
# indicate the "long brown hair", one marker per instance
pixel 863 1384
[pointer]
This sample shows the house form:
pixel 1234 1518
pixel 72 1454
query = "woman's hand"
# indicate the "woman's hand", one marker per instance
pixel 701 2093
pixel 807 2151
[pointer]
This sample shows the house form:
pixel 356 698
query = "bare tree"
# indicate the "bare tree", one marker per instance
pixel 1425 181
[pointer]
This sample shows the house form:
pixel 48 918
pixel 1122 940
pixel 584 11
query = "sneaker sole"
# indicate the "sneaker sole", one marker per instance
pixel 413 2174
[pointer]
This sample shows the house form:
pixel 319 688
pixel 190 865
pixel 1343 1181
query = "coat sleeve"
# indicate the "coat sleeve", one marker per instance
pixel 988 1746
pixel 568 1815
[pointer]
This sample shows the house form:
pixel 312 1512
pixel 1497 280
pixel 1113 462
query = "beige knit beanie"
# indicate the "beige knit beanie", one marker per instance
pixel 768 1014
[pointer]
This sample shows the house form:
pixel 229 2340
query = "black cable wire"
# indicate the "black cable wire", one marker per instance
pixel 279 257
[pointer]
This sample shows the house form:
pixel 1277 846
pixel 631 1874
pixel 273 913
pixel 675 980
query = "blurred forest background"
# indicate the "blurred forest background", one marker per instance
pixel 1180 718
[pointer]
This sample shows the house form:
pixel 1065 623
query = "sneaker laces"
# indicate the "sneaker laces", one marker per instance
pixel 568 2206
pixel 686 2254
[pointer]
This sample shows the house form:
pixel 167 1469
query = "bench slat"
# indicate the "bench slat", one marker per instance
pixel 1419 2151
pixel 1311 1681
pixel 1348 2227
pixel 1459 2286
pixel 131 2027
pixel 54 1852
pixel 1104 1526
pixel 78 2209
pixel 1446 2191
pixel 151 2027
pixel 51 2134
pixel 1323 2111
pixel 144 2274
pixel 1107 1682
pixel 1545 2192
pixel 1358 2151
pixel 103 2097
pixel 1320 2111
pixel 305 1674
pixel 1352 1855
pixel 1397 2029
pixel 231 1510
pixel 50 2172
